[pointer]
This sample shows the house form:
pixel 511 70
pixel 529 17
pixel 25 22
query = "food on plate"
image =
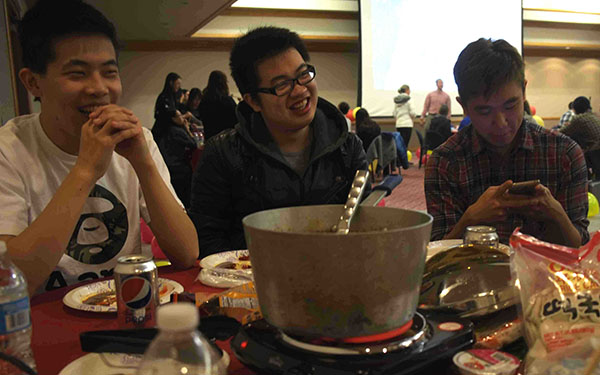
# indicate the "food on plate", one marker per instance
pixel 109 297
pixel 106 298
pixel 242 263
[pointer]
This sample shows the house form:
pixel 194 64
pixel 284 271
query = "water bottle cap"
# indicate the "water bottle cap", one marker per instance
pixel 182 316
pixel 2 247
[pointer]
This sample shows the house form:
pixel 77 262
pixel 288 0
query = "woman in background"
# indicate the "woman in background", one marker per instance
pixel 404 113
pixel 166 106
pixel 217 108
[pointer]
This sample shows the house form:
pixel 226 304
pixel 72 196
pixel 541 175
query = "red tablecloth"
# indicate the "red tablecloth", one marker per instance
pixel 56 327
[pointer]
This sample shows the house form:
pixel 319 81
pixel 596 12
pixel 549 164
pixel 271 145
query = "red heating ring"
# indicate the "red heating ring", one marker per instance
pixel 372 338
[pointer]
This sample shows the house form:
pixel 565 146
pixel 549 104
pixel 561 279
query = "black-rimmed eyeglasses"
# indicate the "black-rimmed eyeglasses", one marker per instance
pixel 285 87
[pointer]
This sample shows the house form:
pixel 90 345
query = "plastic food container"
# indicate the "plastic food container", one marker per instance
pixel 486 362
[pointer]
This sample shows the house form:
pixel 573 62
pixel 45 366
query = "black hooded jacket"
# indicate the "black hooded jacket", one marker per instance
pixel 242 171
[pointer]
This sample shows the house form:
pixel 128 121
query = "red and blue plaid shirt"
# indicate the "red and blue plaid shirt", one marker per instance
pixel 460 170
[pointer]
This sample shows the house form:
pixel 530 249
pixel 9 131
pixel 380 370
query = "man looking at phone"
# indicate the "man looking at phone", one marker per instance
pixel 467 180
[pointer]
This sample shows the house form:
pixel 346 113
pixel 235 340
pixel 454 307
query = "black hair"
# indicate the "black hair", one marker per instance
pixel 256 46
pixel 48 21
pixel 194 92
pixel 485 65
pixel 217 87
pixel 363 117
pixel 344 107
pixel 527 107
pixel 168 86
pixel 570 105
pixel 443 110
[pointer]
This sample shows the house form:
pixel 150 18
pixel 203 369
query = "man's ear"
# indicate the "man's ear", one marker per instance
pixel 524 86
pixel 463 105
pixel 254 104
pixel 31 81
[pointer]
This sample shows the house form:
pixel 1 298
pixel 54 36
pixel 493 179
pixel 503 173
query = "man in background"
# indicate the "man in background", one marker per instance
pixel 585 130
pixel 565 119
pixel 467 179
pixel 433 102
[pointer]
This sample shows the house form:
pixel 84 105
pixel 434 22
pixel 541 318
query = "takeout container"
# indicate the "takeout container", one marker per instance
pixel 311 282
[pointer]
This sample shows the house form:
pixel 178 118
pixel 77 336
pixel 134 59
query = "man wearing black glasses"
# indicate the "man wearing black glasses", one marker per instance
pixel 290 147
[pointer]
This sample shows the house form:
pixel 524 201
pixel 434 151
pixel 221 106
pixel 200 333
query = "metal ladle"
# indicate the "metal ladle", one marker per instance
pixel 356 191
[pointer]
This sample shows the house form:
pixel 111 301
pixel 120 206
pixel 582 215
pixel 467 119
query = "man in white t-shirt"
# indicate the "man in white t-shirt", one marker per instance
pixel 78 176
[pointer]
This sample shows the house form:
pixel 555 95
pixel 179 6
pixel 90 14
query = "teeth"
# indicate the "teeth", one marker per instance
pixel 300 105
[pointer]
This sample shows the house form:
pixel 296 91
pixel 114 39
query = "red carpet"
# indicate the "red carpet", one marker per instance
pixel 410 193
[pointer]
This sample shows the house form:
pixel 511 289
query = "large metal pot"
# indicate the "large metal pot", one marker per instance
pixel 312 282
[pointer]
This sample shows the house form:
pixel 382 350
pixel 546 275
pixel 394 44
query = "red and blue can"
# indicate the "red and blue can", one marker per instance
pixel 136 281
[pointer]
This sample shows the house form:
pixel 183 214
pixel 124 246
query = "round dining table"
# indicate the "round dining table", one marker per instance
pixel 56 327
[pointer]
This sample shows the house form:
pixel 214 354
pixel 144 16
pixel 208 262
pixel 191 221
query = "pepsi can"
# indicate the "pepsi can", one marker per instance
pixel 136 282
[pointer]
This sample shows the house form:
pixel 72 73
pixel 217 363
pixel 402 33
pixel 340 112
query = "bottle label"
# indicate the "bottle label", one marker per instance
pixel 14 316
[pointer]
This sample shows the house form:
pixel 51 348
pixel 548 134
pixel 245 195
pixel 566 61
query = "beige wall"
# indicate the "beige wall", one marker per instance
pixel 554 82
pixel 143 75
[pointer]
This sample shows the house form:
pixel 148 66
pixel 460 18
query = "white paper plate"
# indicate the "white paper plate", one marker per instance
pixel 111 364
pixel 223 277
pixel 75 297
pixel 435 247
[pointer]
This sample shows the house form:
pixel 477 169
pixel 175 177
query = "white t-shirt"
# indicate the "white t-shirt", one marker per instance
pixel 33 167
pixel 404 114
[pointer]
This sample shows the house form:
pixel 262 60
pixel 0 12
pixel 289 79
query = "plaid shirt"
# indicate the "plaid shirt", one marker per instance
pixel 459 171
pixel 566 117
pixel 585 130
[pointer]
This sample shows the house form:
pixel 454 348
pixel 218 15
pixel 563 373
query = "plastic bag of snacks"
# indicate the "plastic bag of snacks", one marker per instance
pixel 560 303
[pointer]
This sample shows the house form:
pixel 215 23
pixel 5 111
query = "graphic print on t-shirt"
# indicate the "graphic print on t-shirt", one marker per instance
pixel 101 230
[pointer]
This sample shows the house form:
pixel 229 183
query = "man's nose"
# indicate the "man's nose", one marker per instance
pixel 298 89
pixel 96 85
pixel 500 119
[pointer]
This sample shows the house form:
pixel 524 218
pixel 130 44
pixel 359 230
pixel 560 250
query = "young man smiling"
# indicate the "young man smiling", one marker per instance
pixel 77 177
pixel 289 148
pixel 467 179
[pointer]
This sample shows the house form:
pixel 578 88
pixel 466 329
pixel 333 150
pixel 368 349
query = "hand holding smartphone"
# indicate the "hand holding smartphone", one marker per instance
pixel 524 188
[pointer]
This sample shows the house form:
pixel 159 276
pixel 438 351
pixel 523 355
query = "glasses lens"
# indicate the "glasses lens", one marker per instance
pixel 283 88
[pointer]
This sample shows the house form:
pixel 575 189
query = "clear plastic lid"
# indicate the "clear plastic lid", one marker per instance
pixel 180 316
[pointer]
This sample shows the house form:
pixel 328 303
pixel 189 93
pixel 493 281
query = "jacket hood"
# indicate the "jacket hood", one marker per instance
pixel 329 126
pixel 402 98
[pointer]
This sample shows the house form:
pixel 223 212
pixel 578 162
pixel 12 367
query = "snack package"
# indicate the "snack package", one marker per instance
pixel 240 303
pixel 560 303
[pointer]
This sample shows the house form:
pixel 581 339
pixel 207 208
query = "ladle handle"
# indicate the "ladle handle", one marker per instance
pixel 356 191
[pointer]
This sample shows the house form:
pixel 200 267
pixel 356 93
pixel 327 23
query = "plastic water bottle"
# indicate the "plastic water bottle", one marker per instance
pixel 179 348
pixel 15 319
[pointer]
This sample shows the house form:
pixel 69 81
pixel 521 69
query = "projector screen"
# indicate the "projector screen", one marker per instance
pixel 415 42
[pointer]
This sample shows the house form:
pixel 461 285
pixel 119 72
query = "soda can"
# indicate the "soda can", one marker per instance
pixel 482 235
pixel 136 282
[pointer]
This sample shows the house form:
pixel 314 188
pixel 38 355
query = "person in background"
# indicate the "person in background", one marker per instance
pixel 77 177
pixel 344 108
pixel 290 147
pixel 566 118
pixel 166 105
pixel 181 97
pixel 366 129
pixel 193 105
pixel 584 129
pixel 440 129
pixel 467 179
pixel 466 121
pixel 217 108
pixel 527 115
pixel 176 145
pixel 433 102
pixel 404 113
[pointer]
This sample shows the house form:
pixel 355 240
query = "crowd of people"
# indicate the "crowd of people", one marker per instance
pixel 79 175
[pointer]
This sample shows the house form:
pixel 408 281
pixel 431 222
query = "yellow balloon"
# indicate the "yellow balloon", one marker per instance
pixel 593 208
pixel 354 111
pixel 409 155
pixel 539 120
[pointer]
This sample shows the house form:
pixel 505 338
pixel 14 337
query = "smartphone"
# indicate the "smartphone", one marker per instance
pixel 524 188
